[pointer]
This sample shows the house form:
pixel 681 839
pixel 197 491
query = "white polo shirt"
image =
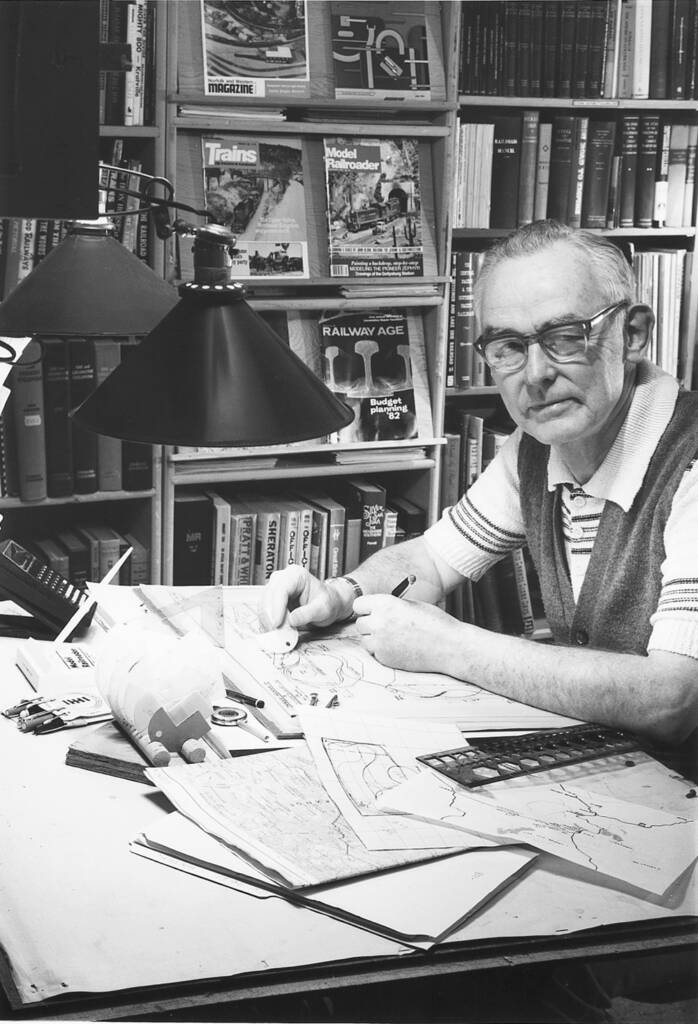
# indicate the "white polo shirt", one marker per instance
pixel 487 521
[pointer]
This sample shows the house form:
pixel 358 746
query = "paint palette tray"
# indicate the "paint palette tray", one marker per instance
pixel 491 759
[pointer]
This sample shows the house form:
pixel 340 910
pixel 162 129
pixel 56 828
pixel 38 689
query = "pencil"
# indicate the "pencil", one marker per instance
pixel 403 586
pixel 242 698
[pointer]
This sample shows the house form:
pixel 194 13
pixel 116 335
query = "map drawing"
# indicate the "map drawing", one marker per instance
pixel 360 758
pixel 642 845
pixel 274 811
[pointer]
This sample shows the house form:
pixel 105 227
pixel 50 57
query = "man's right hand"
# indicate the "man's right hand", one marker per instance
pixel 293 597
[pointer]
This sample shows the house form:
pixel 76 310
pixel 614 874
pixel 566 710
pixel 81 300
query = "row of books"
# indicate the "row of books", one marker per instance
pixel 127 96
pixel 43 454
pixel 660 274
pixel 237 538
pixel 85 554
pixel 635 171
pixel 599 48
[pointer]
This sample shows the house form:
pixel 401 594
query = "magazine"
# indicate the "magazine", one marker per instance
pixel 379 51
pixel 256 190
pixel 255 49
pixel 366 362
pixel 374 207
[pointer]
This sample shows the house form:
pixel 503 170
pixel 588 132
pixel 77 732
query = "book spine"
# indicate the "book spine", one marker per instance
pixel 527 172
pixel 577 169
pixel 305 529
pixel 506 157
pixel 242 548
pixel 630 133
pixel 450 470
pixel 352 543
pixel 689 193
pixel 220 542
pixel 661 184
pixel 642 43
pixel 659 50
pixel 566 52
pixel 681 22
pixel 522 591
pixel 335 543
pixel 540 202
pixel 139 562
pixel 464 320
pixel 582 41
pixel 626 44
pixel 560 166
pixel 523 56
pixel 646 170
pixel 83 380
pixel 9 471
pixel 676 180
pixel 59 446
pixel 28 408
pixel 266 545
pixel 598 30
pixel 191 540
pixel 451 338
pixel 597 179
pixel 551 48
pixel 107 358
pixel 510 22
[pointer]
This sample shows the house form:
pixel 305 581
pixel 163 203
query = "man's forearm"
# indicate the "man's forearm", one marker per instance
pixel 656 695
pixel 382 572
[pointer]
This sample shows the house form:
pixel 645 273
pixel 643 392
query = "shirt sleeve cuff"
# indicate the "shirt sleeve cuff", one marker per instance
pixel 678 634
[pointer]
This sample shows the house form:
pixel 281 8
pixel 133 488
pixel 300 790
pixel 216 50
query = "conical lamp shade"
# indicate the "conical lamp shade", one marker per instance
pixel 213 373
pixel 90 285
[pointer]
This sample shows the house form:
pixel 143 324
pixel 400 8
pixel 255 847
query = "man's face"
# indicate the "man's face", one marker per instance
pixel 557 403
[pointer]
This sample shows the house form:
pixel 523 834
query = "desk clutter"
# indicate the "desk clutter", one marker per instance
pixel 345 814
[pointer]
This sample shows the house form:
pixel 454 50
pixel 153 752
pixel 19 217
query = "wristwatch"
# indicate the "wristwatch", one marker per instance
pixel 355 586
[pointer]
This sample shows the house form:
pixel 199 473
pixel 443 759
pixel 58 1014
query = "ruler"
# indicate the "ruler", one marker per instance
pixel 491 759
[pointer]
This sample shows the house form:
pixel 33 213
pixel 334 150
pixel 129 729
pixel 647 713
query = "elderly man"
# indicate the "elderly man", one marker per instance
pixel 600 479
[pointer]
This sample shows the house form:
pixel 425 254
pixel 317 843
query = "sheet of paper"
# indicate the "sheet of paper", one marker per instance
pixel 331 668
pixel 420 904
pixel 645 846
pixel 360 757
pixel 274 811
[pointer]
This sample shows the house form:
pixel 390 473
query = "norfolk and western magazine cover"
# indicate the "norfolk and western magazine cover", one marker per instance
pixel 254 49
pixel 379 50
pixel 256 190
pixel 374 207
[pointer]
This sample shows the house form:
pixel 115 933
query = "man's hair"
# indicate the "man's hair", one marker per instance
pixel 608 263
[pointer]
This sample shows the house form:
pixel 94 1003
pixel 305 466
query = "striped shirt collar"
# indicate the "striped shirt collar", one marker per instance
pixel 620 475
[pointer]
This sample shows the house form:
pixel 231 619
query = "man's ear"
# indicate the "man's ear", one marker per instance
pixel 638 330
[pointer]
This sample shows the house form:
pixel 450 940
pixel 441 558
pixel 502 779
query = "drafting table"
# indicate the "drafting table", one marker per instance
pixel 90 931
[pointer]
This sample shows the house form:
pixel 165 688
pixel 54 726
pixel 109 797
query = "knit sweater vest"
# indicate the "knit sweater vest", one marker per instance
pixel 622 584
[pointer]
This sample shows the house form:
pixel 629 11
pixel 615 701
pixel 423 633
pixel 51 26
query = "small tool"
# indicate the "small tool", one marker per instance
pixel 403 586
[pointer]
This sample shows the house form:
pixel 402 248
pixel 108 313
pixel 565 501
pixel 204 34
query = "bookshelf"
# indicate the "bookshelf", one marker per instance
pixel 407 467
pixel 137 511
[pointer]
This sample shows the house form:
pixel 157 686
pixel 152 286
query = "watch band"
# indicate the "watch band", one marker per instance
pixel 355 586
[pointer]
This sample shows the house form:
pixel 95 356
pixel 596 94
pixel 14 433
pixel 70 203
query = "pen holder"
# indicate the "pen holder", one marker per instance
pixel 161 691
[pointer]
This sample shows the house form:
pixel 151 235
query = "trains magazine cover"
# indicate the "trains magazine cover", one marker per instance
pixel 374 207
pixel 256 190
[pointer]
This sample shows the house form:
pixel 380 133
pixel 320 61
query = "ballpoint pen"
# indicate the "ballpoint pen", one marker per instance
pixel 403 586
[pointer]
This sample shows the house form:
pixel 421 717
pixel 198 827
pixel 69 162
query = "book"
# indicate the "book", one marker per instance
pixel 54 554
pixel 352 540
pixel 335 529
pixel 681 24
pixel 660 49
pixel 366 363
pixel 256 189
pixel 136 466
pixel 369 498
pixel 523 55
pixel 192 539
pixel 690 183
pixel 220 539
pixel 597 178
pixel 58 430
pixel 109 453
pixel 28 412
pixel 676 174
pixel 551 49
pixel 83 380
pixel 110 545
pixel 260 55
pixel 266 552
pixel 317 565
pixel 661 183
pixel 380 51
pixel 411 518
pixel 598 34
pixel 79 558
pixel 389 536
pixel 540 198
pixel 92 544
pixel 581 51
pixel 288 534
pixel 374 207
pixel 561 148
pixel 630 135
pixel 9 472
pixel 137 568
pixel 464 319
pixel 527 171
pixel 506 160
pixel 535 87
pixel 626 48
pixel 577 171
pixel 450 470
pixel 647 155
pixel 243 528
pixel 566 49
pixel 642 42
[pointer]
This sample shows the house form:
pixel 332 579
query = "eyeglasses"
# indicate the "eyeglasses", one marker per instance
pixel 507 351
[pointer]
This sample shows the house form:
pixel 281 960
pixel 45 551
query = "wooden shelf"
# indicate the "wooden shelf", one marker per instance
pixel 562 103
pixel 248 125
pixel 77 499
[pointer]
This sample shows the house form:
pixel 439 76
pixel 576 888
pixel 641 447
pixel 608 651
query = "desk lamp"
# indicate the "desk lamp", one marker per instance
pixel 213 372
